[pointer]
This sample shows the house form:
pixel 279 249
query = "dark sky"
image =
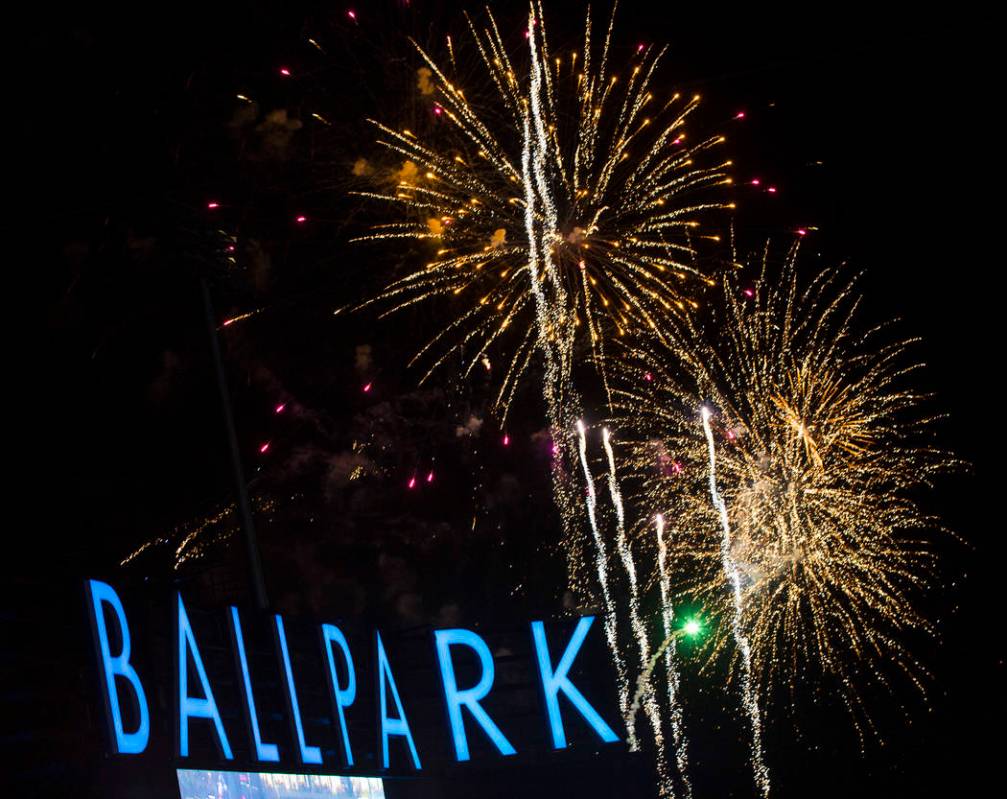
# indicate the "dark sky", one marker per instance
pixel 126 126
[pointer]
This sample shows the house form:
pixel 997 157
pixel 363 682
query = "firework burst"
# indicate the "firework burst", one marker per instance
pixel 816 549
pixel 558 203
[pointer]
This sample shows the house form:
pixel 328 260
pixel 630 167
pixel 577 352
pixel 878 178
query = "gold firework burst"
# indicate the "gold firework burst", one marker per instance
pixel 821 454
pixel 561 202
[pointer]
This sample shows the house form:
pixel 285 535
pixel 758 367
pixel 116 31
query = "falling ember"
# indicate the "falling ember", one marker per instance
pixel 301 220
pixel 412 482
pixel 639 47
pixel 212 206
pixel 749 293
pixel 506 440
pixel 756 182
pixel 285 72
pixel 264 448
pixel 649 377
pixel 771 189
pixel 430 477
pixel 280 408
pixel 802 232
pixel 367 388
pixel 351 14
pixel 740 115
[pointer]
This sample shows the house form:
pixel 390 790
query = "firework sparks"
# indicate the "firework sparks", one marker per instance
pixel 239 318
pixel 814 459
pixel 636 622
pixel 749 698
pixel 193 540
pixel 559 209
pixel 601 568
pixel 649 698
pixel 668 650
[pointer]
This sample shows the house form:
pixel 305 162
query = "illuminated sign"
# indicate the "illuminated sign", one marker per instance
pixel 206 700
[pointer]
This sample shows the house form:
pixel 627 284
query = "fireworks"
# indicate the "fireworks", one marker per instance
pixel 812 550
pixel 194 539
pixel 558 206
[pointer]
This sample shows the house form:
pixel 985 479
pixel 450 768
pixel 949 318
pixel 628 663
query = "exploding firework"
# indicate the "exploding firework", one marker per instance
pixel 559 204
pixel 814 452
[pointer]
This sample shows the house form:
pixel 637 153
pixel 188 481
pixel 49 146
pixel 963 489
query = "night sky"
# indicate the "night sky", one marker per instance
pixel 878 131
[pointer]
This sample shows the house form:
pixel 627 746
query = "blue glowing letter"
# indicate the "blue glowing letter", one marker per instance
pixel 555 681
pixel 267 753
pixel 309 754
pixel 389 726
pixel 191 706
pixel 126 743
pixel 341 697
pixel 470 696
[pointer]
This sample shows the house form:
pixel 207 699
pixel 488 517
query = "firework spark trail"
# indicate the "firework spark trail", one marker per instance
pixel 668 650
pixel 749 698
pixel 601 566
pixel 552 331
pixel 628 564
pixel 639 630
pixel 644 688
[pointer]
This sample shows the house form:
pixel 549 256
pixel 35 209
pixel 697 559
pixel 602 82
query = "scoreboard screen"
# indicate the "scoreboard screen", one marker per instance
pixel 201 784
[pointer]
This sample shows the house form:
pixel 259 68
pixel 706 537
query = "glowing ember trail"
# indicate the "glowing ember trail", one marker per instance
pixel 558 212
pixel 667 618
pixel 749 698
pixel 639 630
pixel 601 567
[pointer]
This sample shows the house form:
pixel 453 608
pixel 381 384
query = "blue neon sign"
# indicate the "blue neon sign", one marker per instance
pixel 469 698
pixel 264 752
pixel 557 680
pixel 126 743
pixel 193 706
pixel 342 697
pixel 391 726
pixel 308 753
pixel 466 693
